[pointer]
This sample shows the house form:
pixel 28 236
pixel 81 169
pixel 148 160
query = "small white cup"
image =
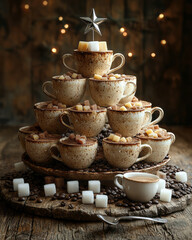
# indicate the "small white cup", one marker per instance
pixel 137 190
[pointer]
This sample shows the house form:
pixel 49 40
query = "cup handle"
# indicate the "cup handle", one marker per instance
pixel 147 146
pixel 134 89
pixel 172 135
pixel 62 121
pixel 65 56
pixel 120 65
pixel 44 88
pixel 117 182
pixel 149 118
pixel 161 114
pixel 54 146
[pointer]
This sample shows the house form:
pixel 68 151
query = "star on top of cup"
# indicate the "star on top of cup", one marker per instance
pixel 93 23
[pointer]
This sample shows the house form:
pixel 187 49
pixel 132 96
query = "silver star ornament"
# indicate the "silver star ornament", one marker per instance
pixel 92 23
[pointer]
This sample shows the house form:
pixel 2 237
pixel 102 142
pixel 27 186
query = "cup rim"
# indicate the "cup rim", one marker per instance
pixel 24 129
pixel 154 139
pixel 87 111
pixel 116 80
pixel 122 143
pixel 129 110
pixel 156 178
pixel 76 145
pixel 46 140
pixel 72 79
pixel 92 52
pixel 148 104
pixel 37 107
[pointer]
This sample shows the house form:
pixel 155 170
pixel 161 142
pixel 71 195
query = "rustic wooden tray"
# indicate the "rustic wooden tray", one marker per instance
pixel 80 212
pixel 58 169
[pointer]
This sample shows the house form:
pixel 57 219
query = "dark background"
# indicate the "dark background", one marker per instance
pixel 28 35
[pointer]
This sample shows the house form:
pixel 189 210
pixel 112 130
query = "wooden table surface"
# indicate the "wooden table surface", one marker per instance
pixel 18 225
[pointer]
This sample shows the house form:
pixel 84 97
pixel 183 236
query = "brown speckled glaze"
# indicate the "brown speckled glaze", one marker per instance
pixel 124 155
pixel 160 147
pixel 38 150
pixel 24 132
pixel 90 63
pixel 88 123
pixel 107 93
pixel 77 156
pixel 68 92
pixel 49 119
pixel 127 123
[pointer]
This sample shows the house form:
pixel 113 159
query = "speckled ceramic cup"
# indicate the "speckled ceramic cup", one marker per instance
pixel 49 119
pixel 128 123
pixel 88 123
pixel 129 89
pixel 136 190
pixel 160 147
pixel 124 155
pixel 75 156
pixel 26 131
pixel 68 92
pixel 148 106
pixel 39 150
pixel 90 63
pixel 109 92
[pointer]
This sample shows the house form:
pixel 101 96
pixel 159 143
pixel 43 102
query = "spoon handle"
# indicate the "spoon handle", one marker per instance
pixel 159 220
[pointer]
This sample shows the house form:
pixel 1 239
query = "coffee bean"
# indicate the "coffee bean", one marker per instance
pixel 32 198
pixel 132 208
pixel 147 205
pixel 39 200
pixel 56 195
pixel 155 201
pixel 74 199
pixel 53 198
pixel 61 196
pixel 70 206
pixel 63 204
pixel 137 208
pixel 21 199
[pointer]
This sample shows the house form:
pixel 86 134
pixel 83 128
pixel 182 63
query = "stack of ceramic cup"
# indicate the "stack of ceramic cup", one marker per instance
pixel 68 93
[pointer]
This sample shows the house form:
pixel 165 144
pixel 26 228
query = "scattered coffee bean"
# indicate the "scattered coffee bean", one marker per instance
pixel 70 206
pixel 63 204
pixel 21 199
pixel 39 200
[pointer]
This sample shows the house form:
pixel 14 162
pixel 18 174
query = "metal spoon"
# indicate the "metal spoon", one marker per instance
pixel 115 220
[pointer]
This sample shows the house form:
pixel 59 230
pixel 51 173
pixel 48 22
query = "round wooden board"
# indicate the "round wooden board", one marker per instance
pixel 59 170
pixel 82 212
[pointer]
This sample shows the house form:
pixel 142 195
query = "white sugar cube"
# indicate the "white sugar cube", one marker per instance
pixel 181 176
pixel 94 185
pixel 49 189
pixel 161 185
pixel 20 166
pixel 73 186
pixel 93 46
pixel 165 195
pixel 23 190
pixel 161 174
pixel 87 197
pixel 17 181
pixel 101 201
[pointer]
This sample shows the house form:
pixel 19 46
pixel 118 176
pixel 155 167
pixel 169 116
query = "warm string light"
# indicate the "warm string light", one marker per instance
pixel 54 50
pixel 63 31
pixel 161 16
pixel 124 34
pixel 66 26
pixel 26 6
pixel 122 29
pixel 153 55
pixel 60 18
pixel 130 54
pixel 163 42
pixel 45 3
